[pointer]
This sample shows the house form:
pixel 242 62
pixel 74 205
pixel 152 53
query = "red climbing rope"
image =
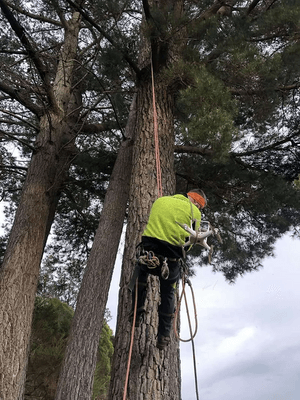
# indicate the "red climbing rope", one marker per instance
pixel 156 141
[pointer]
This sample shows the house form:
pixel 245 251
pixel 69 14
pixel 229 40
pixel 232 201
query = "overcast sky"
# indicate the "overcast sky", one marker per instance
pixel 248 340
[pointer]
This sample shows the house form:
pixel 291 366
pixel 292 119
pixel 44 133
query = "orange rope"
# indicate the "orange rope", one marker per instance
pixel 156 142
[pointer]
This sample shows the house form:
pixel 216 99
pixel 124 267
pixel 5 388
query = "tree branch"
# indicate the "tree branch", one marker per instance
pixel 23 142
pixel 242 92
pixel 252 6
pixel 22 98
pixel 106 35
pixel 33 53
pixel 15 167
pixel 262 149
pixel 33 16
pixel 98 128
pixel 192 150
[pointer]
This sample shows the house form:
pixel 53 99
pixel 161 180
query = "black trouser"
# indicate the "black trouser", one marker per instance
pixel 166 308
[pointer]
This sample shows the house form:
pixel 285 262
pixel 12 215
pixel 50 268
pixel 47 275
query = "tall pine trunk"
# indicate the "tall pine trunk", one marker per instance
pixel 154 374
pixel 76 377
pixel 54 150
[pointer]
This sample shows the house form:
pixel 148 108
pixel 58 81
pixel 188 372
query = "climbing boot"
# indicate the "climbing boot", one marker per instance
pixel 162 342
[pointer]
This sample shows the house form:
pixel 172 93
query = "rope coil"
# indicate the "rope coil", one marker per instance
pixel 183 293
pixel 191 339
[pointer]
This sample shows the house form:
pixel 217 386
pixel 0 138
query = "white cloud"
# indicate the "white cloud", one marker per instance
pixel 233 344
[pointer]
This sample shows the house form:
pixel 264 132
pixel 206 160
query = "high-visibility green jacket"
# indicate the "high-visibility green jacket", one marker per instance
pixel 164 214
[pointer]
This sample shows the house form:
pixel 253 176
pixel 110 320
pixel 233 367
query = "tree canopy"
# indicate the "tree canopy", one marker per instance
pixel 241 68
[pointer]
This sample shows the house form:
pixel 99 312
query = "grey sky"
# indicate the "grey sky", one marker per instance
pixel 248 343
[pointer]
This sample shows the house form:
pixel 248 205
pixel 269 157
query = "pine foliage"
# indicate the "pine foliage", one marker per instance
pixel 236 86
pixel 51 325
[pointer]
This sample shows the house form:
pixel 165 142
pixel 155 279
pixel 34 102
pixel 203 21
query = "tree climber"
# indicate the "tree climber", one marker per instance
pixel 162 247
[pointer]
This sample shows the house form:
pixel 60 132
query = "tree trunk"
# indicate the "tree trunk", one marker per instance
pixel 154 374
pixel 20 269
pixel 76 377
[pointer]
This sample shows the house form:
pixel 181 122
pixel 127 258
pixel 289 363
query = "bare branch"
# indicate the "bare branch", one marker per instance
pixel 262 149
pixel 13 167
pixel 22 120
pixel 252 6
pixel 59 13
pixel 31 51
pixel 22 98
pixel 106 35
pixel 192 150
pixel 243 92
pixel 23 142
pixel 33 16
pixel 97 128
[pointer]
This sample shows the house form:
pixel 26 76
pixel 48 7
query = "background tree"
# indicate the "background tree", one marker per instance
pixel 50 76
pixel 52 156
pixel 50 330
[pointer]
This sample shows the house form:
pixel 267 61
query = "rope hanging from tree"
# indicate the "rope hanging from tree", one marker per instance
pixel 192 334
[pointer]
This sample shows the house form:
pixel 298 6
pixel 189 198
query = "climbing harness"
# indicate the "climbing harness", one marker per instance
pixel 149 259
pixel 200 236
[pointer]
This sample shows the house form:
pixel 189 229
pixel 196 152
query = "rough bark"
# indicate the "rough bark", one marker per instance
pixel 20 269
pixel 154 374
pixel 76 377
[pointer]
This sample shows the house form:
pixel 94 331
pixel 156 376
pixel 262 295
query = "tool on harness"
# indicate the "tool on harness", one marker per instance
pixel 152 261
pixel 149 259
pixel 200 236
pixel 165 269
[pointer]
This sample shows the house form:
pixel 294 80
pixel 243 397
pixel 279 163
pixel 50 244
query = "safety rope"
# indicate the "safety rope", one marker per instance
pixel 192 335
pixel 156 142
pixel 183 293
